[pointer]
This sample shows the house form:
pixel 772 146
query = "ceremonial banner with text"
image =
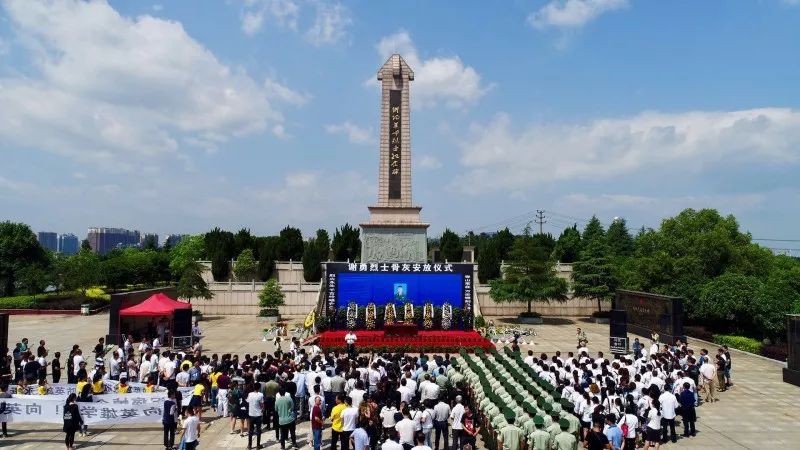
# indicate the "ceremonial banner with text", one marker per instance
pixel 44 409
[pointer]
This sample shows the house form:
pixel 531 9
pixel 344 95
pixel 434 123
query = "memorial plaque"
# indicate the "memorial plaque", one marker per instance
pixel 648 313
pixel 179 342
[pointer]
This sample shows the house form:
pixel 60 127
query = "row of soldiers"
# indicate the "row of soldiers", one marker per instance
pixel 520 409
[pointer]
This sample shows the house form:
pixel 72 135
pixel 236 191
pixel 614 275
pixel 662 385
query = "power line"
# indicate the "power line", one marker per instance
pixel 776 240
pixel 540 219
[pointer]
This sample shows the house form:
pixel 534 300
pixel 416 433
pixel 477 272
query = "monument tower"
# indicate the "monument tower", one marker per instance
pixel 394 232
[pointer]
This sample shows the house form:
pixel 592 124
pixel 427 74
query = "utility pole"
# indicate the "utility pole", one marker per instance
pixel 540 219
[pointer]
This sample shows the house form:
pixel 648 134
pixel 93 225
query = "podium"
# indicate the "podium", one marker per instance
pixel 400 329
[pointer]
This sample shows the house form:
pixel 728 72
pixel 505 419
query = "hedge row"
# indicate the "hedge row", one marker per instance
pixel 742 343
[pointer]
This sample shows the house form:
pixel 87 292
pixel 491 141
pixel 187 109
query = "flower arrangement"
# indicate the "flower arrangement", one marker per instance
pixel 408 313
pixel 389 315
pixel 447 316
pixel 371 313
pixel 427 316
pixel 352 315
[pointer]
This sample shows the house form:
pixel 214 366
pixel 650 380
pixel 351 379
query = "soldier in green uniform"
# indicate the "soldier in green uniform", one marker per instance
pixel 554 428
pixel 565 440
pixel 511 437
pixel 539 439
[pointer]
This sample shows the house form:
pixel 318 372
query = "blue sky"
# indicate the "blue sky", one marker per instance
pixel 174 117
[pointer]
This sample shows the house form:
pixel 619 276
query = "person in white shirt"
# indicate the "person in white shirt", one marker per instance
pixel 144 370
pixel 191 430
pixel 653 433
pixel 393 441
pixel 529 359
pixel 350 339
pixel 708 381
pixel 427 422
pixel 255 405
pixel 456 415
pixel 387 418
pixel 421 445
pixel 630 420
pixel 406 428
pixel 406 394
pixel 76 361
pixel 349 418
pixel 357 394
pixel 668 405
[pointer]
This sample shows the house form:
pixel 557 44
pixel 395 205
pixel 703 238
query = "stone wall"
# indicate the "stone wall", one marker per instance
pixel 234 298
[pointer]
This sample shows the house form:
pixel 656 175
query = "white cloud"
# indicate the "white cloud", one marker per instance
pixel 354 133
pixel 158 7
pixel 429 162
pixel 572 13
pixel 436 80
pixel 282 12
pixel 499 158
pixel 285 94
pixel 116 91
pixel 330 24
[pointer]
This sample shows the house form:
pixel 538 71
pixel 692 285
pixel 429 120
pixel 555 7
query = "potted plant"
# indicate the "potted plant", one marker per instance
pixel 269 299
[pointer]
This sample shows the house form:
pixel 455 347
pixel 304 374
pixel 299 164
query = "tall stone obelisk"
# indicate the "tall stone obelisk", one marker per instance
pixel 394 232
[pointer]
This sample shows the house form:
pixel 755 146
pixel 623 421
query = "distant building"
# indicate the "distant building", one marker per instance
pixel 103 240
pixel 172 239
pixel 149 237
pixel 48 240
pixel 68 244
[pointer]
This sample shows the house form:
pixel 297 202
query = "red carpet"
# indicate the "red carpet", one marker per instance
pixel 423 341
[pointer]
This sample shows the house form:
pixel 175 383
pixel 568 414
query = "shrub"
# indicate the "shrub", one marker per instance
pixel 529 314
pixel 97 293
pixel 778 352
pixel 18 302
pixel 742 343
pixel 268 312
pixel 699 333
pixel 480 322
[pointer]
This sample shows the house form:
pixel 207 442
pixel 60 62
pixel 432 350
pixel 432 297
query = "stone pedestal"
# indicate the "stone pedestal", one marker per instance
pixel 394 234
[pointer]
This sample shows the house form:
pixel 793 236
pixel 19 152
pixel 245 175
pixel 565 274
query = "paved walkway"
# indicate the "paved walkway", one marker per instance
pixel 759 412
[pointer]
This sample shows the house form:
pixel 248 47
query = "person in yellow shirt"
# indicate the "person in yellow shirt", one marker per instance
pixel 97 384
pixel 21 387
pixel 80 386
pixel 123 387
pixel 149 387
pixel 214 387
pixel 196 401
pixel 42 389
pixel 336 421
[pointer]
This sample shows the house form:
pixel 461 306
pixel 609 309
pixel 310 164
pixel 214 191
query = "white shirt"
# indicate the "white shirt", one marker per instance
pixel 456 414
pixel 357 395
pixel 350 338
pixel 387 414
pixel 406 429
pixel 707 370
pixel 255 404
pixel 76 361
pixel 406 394
pixel 668 405
pixel 421 447
pixel 441 411
pixel 633 423
pixel 192 425
pixel 654 419
pixel 349 419
pixel 391 445
pixel 428 391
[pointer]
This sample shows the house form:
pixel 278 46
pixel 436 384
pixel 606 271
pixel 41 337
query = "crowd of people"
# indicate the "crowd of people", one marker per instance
pixel 389 401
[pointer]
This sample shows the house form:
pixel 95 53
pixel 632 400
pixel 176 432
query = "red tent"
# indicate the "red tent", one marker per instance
pixel 156 305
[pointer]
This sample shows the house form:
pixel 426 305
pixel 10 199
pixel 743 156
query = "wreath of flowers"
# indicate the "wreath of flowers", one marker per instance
pixel 447 316
pixel 427 316
pixel 352 315
pixel 371 313
pixel 389 315
pixel 408 313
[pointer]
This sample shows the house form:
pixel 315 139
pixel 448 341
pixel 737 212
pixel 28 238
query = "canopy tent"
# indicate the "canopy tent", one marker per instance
pixel 157 305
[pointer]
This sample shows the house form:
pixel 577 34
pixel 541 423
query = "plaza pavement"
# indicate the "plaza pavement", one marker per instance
pixel 758 412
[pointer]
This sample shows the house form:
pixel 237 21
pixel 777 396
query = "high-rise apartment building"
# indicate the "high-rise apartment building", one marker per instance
pixel 48 240
pixel 68 244
pixel 147 238
pixel 103 240
pixel 172 239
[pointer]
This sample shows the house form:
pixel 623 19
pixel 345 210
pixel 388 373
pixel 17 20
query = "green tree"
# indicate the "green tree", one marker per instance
pixel 488 260
pixel 728 302
pixel 19 249
pixel 312 261
pixel 82 271
pixel 267 248
pixel 290 244
pixel 568 245
pixel 324 244
pixel 85 245
pixel 150 242
pixel 35 278
pixel 271 297
pixel 346 245
pixel 220 249
pixel 115 271
pixel 246 267
pixel 505 240
pixel 187 251
pixel 243 240
pixel 774 300
pixel 593 230
pixel 191 284
pixel 593 274
pixel 620 241
pixel 530 274
pixel 450 247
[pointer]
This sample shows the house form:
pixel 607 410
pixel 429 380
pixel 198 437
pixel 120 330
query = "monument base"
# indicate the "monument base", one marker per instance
pixel 394 234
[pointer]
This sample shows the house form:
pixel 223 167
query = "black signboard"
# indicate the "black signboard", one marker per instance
pixel 652 313
pixel 791 373
pixel 179 342
pixel 395 143
pixel 618 345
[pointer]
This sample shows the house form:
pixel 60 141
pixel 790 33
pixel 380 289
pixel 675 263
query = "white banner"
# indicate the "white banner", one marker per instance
pixel 109 387
pixel 44 409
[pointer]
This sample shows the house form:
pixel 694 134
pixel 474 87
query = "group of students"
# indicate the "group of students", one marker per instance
pixel 635 400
